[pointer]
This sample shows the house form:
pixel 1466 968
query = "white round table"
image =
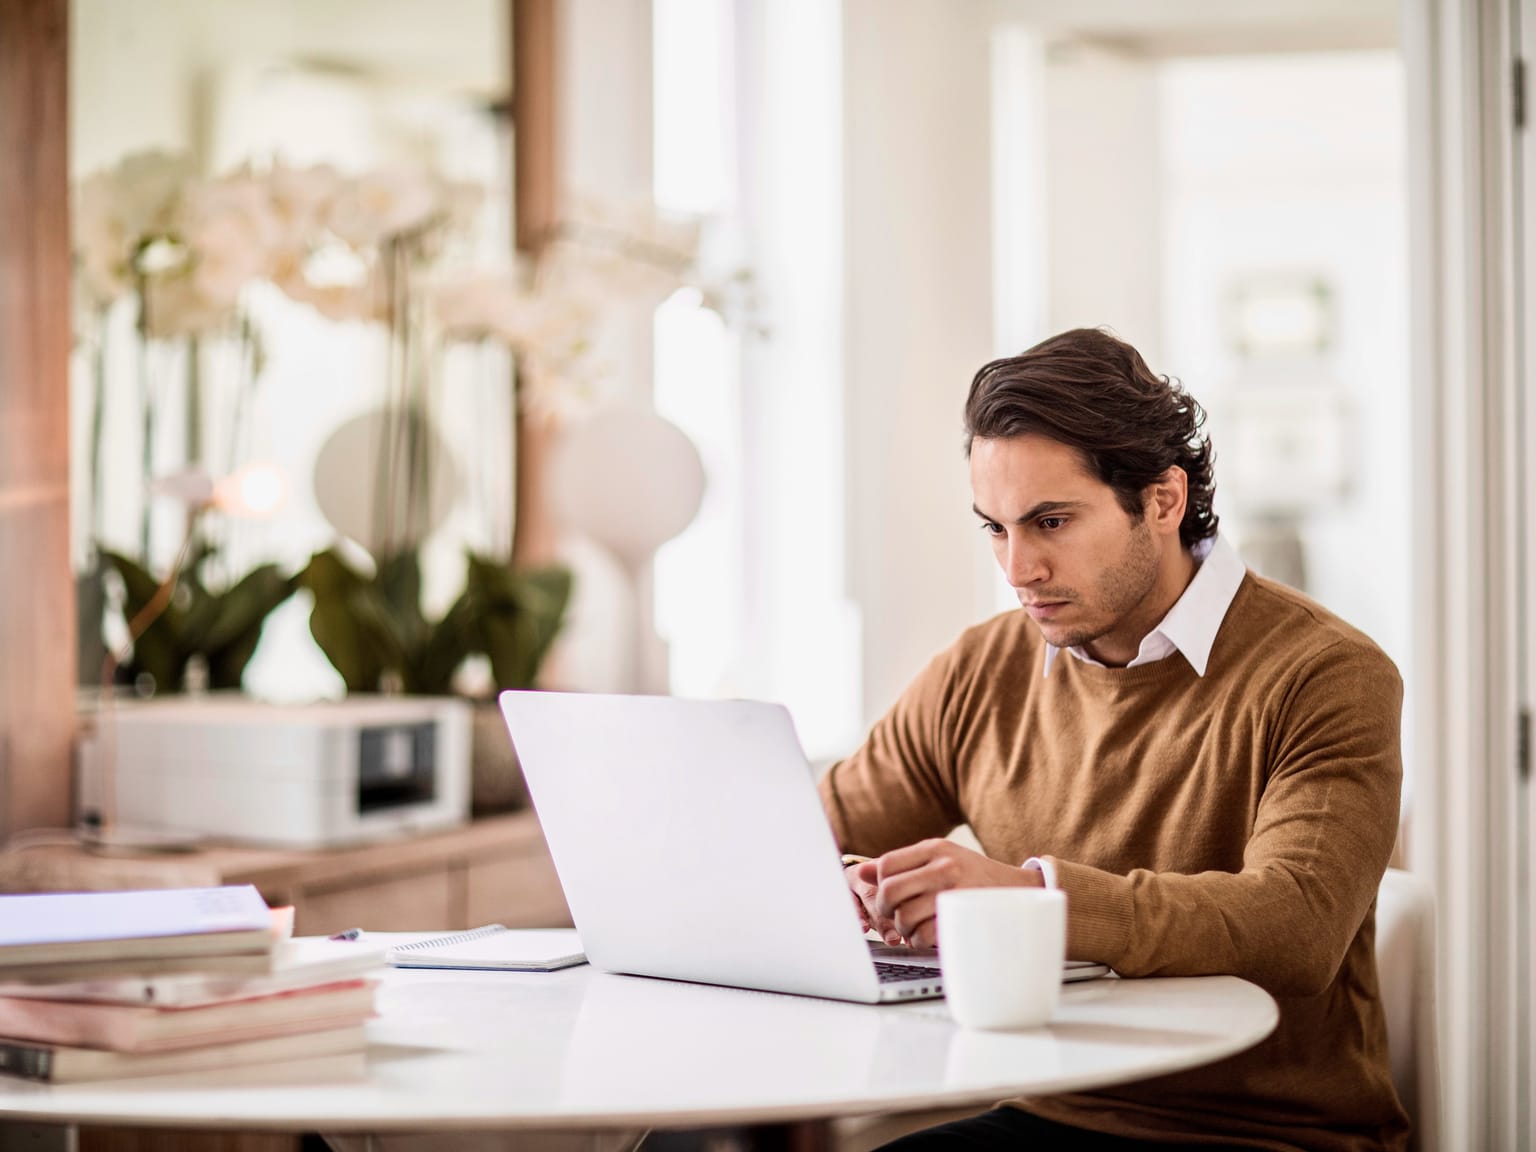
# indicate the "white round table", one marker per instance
pixel 577 1048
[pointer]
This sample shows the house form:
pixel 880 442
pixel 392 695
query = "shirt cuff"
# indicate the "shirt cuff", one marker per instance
pixel 1046 869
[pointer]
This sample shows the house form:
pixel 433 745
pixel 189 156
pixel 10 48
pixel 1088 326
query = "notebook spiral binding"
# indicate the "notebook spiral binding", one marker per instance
pixel 450 941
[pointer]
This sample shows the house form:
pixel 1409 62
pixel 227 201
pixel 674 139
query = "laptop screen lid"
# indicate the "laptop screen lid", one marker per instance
pixel 690 841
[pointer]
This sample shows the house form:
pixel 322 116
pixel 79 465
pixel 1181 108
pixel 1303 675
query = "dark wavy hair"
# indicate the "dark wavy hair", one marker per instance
pixel 1093 392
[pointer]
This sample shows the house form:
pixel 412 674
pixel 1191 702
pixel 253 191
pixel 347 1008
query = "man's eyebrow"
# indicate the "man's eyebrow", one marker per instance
pixel 1044 508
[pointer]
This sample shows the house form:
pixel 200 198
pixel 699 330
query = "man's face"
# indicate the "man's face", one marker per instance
pixel 1083 569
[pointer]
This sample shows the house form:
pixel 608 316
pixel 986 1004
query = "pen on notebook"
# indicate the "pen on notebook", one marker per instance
pixel 349 934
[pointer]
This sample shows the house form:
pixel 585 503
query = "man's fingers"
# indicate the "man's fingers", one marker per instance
pixel 886 929
pixel 897 890
pixel 908 880
pixel 863 882
pixel 908 896
pixel 902 885
pixel 916 915
pixel 862 910
pixel 912 856
pixel 926 935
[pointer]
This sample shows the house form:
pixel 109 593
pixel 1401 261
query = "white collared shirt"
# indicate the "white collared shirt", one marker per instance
pixel 1189 627
pixel 1191 624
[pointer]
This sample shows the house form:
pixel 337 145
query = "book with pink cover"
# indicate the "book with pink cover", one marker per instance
pixel 298 963
pixel 134 1028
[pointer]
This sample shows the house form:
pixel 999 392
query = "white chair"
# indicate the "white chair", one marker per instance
pixel 1405 965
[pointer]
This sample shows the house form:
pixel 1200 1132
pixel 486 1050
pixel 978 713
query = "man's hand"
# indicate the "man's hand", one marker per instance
pixel 899 891
pixel 864 893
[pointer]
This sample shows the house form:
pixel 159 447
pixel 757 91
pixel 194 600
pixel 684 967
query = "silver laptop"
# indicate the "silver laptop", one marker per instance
pixel 691 844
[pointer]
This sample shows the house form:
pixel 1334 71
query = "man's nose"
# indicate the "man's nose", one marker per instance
pixel 1024 565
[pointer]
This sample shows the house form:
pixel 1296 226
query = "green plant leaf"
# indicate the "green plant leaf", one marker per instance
pixel 139 587
pixel 226 665
pixel 90 612
pixel 511 642
pixel 447 645
pixel 246 604
pixel 399 583
pixel 240 613
pixel 546 594
pixel 197 609
pixel 159 649
pixel 518 614
pixel 343 623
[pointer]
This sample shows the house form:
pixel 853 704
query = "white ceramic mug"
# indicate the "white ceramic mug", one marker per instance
pixel 1001 951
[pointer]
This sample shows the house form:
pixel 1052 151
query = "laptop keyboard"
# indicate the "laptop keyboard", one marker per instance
pixel 891 973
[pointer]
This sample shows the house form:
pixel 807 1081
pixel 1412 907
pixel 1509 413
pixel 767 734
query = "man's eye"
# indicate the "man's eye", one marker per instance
pixel 991 528
pixel 1052 523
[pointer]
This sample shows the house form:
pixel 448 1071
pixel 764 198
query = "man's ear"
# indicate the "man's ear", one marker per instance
pixel 1165 500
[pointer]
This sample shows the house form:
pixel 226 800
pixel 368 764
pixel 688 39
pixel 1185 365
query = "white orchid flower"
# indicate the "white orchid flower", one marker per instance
pixel 146 188
pixel 119 213
pixel 102 245
pixel 301 200
pixel 229 229
pixel 371 208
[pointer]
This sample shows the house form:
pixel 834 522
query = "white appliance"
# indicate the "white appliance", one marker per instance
pixel 309 775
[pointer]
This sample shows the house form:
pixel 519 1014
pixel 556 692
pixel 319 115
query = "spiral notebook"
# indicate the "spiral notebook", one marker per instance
pixel 494 947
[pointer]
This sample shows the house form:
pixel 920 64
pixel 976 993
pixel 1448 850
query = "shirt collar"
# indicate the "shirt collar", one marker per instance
pixel 1191 624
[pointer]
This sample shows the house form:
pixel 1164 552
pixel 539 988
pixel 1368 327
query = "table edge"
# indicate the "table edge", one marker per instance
pixel 490 1120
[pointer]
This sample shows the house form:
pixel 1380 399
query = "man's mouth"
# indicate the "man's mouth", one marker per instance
pixel 1044 609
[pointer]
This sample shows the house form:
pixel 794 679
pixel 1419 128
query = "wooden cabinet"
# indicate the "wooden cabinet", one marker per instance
pixel 494 870
pixel 424 902
pixel 521 893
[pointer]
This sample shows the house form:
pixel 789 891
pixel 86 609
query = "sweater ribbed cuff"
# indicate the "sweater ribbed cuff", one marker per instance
pixel 1099 911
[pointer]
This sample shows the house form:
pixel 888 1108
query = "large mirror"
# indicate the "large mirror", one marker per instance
pixel 250 390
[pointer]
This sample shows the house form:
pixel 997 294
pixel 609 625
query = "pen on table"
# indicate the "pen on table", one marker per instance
pixel 349 934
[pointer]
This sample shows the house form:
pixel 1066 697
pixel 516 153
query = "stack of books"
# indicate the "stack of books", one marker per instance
pixel 101 985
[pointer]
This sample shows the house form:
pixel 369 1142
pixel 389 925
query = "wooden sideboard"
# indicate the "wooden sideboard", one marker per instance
pixel 492 870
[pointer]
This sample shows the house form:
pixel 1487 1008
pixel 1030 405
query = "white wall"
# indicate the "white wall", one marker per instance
pixel 1104 194
pixel 800 627
pixel 918 299
pixel 1297 165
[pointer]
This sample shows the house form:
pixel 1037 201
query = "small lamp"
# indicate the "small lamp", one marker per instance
pixel 629 480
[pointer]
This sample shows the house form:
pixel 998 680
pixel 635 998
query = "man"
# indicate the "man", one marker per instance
pixel 1206 762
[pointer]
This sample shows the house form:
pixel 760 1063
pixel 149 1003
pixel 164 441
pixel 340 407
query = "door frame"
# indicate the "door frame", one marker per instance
pixel 1466 690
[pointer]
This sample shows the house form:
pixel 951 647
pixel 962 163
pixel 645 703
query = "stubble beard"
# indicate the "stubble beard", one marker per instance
pixel 1118 590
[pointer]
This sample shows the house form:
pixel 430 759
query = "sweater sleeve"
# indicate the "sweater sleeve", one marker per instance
pixel 1321 839
pixel 899 787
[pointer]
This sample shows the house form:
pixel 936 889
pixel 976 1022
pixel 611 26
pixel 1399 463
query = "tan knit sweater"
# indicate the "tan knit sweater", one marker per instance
pixel 1234 823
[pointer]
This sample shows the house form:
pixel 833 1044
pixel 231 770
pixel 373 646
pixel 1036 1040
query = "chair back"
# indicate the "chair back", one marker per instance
pixel 1405 965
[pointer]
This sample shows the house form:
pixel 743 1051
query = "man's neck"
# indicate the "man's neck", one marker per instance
pixel 1117 648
